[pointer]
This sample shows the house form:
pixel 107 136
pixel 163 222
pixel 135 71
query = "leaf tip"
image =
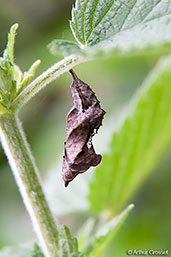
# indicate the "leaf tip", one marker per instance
pixel 14 28
pixel 131 206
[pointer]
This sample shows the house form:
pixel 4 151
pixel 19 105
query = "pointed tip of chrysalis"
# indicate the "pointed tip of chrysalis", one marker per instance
pixel 73 74
pixel 66 183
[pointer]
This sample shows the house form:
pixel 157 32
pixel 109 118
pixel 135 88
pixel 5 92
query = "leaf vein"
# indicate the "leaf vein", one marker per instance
pixel 92 20
pixel 101 18
pixel 83 21
pixel 126 17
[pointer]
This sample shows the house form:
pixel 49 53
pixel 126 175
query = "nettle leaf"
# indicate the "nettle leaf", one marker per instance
pixel 9 51
pixel 87 233
pixel 137 145
pixel 27 76
pixel 37 251
pixel 18 75
pixel 6 72
pixel 2 108
pixel 63 47
pixel 68 246
pixel 106 234
pixel 7 62
pixel 12 80
pixel 121 25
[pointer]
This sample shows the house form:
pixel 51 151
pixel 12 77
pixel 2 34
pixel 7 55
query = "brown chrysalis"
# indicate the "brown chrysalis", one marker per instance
pixel 83 121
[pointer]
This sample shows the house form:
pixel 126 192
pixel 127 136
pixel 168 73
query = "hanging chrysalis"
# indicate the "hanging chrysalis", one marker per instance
pixel 83 121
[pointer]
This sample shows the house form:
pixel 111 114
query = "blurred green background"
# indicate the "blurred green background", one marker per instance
pixel 148 226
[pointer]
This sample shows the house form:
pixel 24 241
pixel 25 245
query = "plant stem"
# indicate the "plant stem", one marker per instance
pixel 26 175
pixel 45 78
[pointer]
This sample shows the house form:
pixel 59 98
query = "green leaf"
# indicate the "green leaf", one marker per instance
pixel 6 71
pixel 13 81
pixel 2 108
pixel 3 101
pixel 17 75
pixel 9 51
pixel 68 246
pixel 27 76
pixel 13 89
pixel 137 145
pixel 121 26
pixel 37 251
pixel 105 235
pixel 7 62
pixel 63 47
pixel 87 233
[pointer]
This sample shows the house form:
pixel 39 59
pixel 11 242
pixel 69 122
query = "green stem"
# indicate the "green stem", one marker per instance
pixel 26 175
pixel 45 78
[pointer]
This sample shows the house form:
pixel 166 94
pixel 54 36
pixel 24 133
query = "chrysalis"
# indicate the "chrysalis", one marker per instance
pixel 83 121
